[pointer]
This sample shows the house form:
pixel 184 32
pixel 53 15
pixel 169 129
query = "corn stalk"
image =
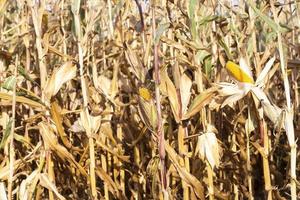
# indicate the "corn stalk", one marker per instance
pixel 289 113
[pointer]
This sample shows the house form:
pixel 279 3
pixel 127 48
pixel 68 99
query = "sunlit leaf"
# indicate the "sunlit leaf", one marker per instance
pixel 60 76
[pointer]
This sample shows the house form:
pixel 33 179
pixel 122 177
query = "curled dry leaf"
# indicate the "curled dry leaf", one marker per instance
pixel 60 76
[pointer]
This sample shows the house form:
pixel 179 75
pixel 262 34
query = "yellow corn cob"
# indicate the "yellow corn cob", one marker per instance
pixel 238 73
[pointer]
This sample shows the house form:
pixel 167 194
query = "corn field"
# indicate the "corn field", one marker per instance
pixel 140 99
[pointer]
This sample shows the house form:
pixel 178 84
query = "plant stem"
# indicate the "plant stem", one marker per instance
pixel 160 134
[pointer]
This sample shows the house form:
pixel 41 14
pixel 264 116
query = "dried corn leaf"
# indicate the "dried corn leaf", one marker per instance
pixel 289 127
pixel 60 76
pixel 199 102
pixel 113 151
pixel 26 184
pixel 112 186
pixel 21 99
pixel 185 91
pixel 135 63
pixel 50 139
pixel 2 191
pixel 57 119
pixel 191 180
pixel 4 171
pixel 46 182
pixel 168 88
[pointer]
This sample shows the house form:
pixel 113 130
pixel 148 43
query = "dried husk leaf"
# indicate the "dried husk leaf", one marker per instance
pixel 104 85
pixel 262 78
pixel 148 113
pixel 90 123
pixel 271 111
pixel 208 148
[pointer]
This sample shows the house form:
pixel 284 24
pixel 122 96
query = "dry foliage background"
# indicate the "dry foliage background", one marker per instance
pixel 124 99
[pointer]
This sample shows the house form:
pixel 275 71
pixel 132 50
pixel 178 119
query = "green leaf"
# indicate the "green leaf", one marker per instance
pixel 24 73
pixel 9 83
pixel 202 55
pixel 207 19
pixel 266 19
pixel 226 49
pixel 191 14
pixel 208 66
pixel 191 11
pixel 6 134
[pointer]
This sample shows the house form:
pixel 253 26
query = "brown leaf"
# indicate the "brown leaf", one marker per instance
pixel 57 119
